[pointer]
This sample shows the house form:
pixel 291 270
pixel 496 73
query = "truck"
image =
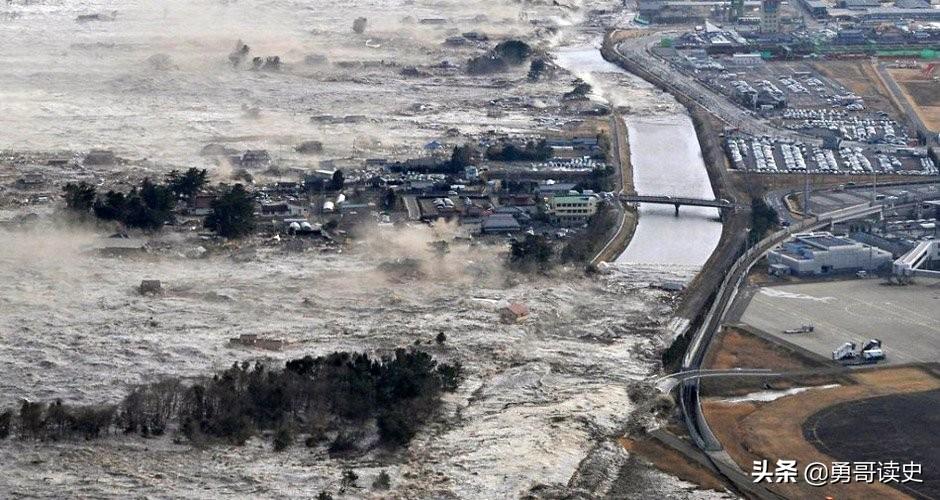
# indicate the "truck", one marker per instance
pixel 873 355
pixel 870 353
pixel 845 352
pixel 801 329
pixel 872 344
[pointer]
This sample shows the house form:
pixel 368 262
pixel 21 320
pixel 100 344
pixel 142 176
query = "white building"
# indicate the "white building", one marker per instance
pixel 822 253
pixel 746 60
pixel 921 261
pixel 572 210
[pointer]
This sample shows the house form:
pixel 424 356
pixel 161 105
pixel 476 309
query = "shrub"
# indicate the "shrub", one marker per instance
pixel 6 423
pixel 343 443
pixel 382 481
pixel 349 478
pixel 763 219
pixel 283 438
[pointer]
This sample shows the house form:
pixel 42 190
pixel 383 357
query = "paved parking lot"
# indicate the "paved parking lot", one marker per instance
pixel 906 319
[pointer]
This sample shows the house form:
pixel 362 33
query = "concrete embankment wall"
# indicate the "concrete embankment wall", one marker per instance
pixel 707 126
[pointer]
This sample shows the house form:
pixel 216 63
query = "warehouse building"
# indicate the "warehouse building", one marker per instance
pixel 812 254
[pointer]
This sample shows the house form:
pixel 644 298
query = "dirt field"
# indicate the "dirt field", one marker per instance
pixel 752 430
pixel 736 348
pixel 923 94
pixel 860 78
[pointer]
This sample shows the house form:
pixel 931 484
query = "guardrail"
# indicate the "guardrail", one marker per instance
pixel 677 200
pixel 689 389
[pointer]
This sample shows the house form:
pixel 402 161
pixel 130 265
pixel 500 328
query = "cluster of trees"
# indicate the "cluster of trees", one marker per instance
pixel 148 206
pixel 461 157
pixel 500 58
pixel 342 394
pixel 580 90
pixel 599 180
pixel 589 243
pixel 233 213
pixel 764 219
pixel 532 253
pixel 532 151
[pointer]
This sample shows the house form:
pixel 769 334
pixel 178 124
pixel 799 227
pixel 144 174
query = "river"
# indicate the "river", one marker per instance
pixel 666 159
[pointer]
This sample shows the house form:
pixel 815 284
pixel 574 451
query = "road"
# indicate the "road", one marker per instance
pixel 903 103
pixel 669 382
pixel 832 199
pixel 689 400
pixel 626 217
pixel 637 50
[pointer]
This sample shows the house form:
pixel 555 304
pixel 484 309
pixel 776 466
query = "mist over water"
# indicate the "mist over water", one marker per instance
pixel 542 401
pixel 79 85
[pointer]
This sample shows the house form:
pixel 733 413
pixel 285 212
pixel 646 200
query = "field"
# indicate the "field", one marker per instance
pixel 737 348
pixel 835 430
pixel 753 430
pixel 923 94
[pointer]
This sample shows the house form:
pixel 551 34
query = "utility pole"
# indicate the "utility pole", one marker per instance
pixel 806 207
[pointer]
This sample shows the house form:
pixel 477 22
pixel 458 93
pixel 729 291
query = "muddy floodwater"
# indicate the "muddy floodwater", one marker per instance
pixel 542 401
pixel 541 404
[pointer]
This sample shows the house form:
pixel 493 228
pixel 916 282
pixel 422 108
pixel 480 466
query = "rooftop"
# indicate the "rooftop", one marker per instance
pixel 827 241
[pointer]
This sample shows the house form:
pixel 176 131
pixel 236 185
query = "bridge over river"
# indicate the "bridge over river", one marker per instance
pixel 678 201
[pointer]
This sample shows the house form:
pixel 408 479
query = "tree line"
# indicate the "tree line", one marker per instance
pixel 150 205
pixel 340 396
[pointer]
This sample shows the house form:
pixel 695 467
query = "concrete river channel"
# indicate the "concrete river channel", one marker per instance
pixel 667 160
